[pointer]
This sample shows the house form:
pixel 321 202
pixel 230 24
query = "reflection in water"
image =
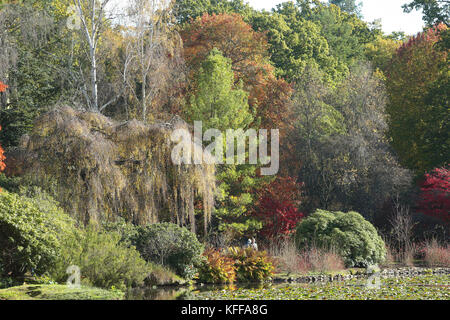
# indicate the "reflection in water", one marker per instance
pixel 158 293
pixel 186 293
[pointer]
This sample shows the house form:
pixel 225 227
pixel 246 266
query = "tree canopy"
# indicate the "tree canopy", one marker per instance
pixel 417 84
pixel 434 11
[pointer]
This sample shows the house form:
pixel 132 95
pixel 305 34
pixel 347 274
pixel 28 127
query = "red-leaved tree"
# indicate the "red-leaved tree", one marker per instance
pixel 277 208
pixel 434 198
pixel 3 87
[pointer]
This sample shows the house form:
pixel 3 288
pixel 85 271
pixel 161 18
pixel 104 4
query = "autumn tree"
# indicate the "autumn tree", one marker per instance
pixel 340 133
pixel 221 104
pixel 417 84
pixel 299 32
pixel 380 51
pixel 277 207
pixel 3 88
pixel 268 101
pixel 434 198
pixel 268 95
pixel 247 49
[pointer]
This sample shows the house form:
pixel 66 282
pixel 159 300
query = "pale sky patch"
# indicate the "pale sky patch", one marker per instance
pixel 389 11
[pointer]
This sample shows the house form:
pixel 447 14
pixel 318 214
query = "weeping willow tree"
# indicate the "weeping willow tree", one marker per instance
pixel 102 169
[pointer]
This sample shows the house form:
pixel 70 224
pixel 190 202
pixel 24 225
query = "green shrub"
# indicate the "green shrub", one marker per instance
pixel 104 261
pixel 170 245
pixel 354 238
pixel 128 231
pixel 11 184
pixel 216 268
pixel 31 231
pixel 251 265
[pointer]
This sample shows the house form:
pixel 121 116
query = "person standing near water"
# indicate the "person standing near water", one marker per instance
pixel 254 244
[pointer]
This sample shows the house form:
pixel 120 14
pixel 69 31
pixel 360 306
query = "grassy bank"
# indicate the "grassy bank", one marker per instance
pixel 58 292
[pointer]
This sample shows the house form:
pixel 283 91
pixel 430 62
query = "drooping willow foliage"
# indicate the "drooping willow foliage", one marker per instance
pixel 102 169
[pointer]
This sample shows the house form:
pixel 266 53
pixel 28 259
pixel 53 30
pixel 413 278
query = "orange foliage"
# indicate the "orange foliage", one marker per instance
pixel 3 87
pixel 247 49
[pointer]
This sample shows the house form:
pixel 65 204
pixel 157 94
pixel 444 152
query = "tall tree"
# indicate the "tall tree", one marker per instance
pixel 419 117
pixel 218 102
pixel 92 14
pixel 154 53
pixel 248 52
pixel 347 163
pixel 34 52
pixel 296 42
pixel 221 104
pixel 346 34
pixel 309 31
pixel 268 101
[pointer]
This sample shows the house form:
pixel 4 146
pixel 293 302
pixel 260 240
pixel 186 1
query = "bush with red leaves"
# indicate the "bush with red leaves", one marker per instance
pixel 277 208
pixel 434 199
pixel 3 88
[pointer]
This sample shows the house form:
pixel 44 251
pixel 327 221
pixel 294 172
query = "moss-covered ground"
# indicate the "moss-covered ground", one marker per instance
pixel 58 292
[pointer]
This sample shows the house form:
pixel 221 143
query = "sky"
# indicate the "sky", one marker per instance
pixel 389 11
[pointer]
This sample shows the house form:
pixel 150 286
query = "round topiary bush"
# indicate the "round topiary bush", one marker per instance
pixel 169 245
pixel 353 237
pixel 31 231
